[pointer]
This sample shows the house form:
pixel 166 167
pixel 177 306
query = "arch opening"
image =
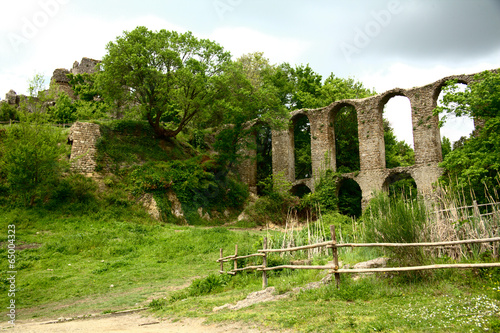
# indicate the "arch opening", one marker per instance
pixel 264 147
pixel 349 196
pixel 454 130
pixel 300 190
pixel 401 185
pixel 302 147
pixel 345 124
pixel 398 132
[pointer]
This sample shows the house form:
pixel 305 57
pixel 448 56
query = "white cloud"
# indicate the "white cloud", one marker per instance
pixel 241 40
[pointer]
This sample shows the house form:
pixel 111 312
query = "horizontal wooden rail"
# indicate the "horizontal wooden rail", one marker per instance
pixel 385 269
pixel 231 258
pixel 298 248
pixel 259 268
pixel 470 241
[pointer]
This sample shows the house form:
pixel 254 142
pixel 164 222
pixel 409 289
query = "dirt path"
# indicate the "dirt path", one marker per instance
pixel 130 322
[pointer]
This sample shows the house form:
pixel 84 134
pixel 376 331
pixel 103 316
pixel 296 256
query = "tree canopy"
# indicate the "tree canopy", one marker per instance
pixel 475 162
pixel 171 77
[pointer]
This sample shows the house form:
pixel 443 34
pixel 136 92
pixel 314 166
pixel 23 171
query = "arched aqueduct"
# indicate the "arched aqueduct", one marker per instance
pixel 373 172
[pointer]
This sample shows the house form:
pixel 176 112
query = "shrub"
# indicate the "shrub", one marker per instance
pixel 393 220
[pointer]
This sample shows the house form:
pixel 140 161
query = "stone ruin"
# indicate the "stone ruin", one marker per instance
pixel 373 176
pixel 83 139
pixel 60 75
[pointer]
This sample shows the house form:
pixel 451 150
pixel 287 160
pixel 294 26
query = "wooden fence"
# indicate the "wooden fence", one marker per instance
pixel 335 267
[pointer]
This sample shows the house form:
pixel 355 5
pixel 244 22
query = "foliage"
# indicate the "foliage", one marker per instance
pixel 64 111
pixel 481 99
pixel 250 100
pixel 445 147
pixel 90 102
pixel 397 153
pixel 346 140
pixel 275 202
pixel 349 197
pixel 325 194
pixel 172 76
pixel 477 164
pixel 474 163
pixel 8 112
pixel 302 141
pixel 193 183
pixel 31 151
pixel 395 220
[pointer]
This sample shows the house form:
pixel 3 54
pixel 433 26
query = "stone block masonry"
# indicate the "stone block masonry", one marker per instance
pixel 373 174
pixel 83 138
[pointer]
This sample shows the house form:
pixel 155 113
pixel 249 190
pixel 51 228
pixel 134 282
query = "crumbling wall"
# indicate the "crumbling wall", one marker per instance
pixel 83 138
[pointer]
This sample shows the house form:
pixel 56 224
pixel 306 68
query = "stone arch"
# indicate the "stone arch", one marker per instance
pixel 441 83
pixel 397 103
pixel 400 182
pixel 350 196
pixel 300 189
pixel 300 137
pixel 340 135
pixel 457 127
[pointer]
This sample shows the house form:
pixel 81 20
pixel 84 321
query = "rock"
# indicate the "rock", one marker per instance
pixel 12 98
pixel 375 263
pixel 149 202
pixel 265 295
pixel 176 207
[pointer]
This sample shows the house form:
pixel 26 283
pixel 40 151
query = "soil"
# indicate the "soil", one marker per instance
pixel 128 322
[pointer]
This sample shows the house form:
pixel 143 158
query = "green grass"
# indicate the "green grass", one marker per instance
pixel 116 258
pixel 378 303
pixel 119 257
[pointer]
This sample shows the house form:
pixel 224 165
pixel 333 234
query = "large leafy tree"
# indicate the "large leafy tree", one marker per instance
pixel 475 163
pixel 171 76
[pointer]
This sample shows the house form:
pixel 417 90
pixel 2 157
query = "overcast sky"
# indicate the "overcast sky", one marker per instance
pixel 382 43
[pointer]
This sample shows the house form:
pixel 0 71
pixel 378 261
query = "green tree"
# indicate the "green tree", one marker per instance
pixel 8 112
pixel 475 162
pixel 248 99
pixel 172 76
pixel 397 153
pixel 445 146
pixel 90 103
pixel 64 111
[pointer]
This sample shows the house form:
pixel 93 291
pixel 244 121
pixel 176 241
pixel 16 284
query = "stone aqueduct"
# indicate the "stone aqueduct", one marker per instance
pixel 373 174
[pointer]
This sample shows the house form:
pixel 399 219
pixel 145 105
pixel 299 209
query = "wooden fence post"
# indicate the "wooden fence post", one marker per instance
pixel 235 255
pixel 221 263
pixel 264 264
pixel 335 255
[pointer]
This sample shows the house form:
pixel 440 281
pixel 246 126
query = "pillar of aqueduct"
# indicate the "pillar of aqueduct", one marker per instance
pixel 373 173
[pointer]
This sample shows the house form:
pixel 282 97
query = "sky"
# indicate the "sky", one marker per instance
pixel 382 43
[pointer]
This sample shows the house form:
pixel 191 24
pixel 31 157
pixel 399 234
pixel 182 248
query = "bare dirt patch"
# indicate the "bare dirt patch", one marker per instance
pixel 129 322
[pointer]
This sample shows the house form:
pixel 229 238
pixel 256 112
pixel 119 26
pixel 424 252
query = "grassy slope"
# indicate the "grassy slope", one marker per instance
pixel 67 264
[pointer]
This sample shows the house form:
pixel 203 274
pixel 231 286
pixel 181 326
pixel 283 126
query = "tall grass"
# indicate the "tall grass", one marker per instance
pixel 456 218
pixel 395 220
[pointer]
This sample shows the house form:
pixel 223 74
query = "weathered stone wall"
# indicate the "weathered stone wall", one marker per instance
pixel 83 137
pixel 373 173
pixel 87 65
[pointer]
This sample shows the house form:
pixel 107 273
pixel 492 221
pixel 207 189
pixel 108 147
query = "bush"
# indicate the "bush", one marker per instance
pixel 194 186
pixel 393 220
pixel 8 112
pixel 31 160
